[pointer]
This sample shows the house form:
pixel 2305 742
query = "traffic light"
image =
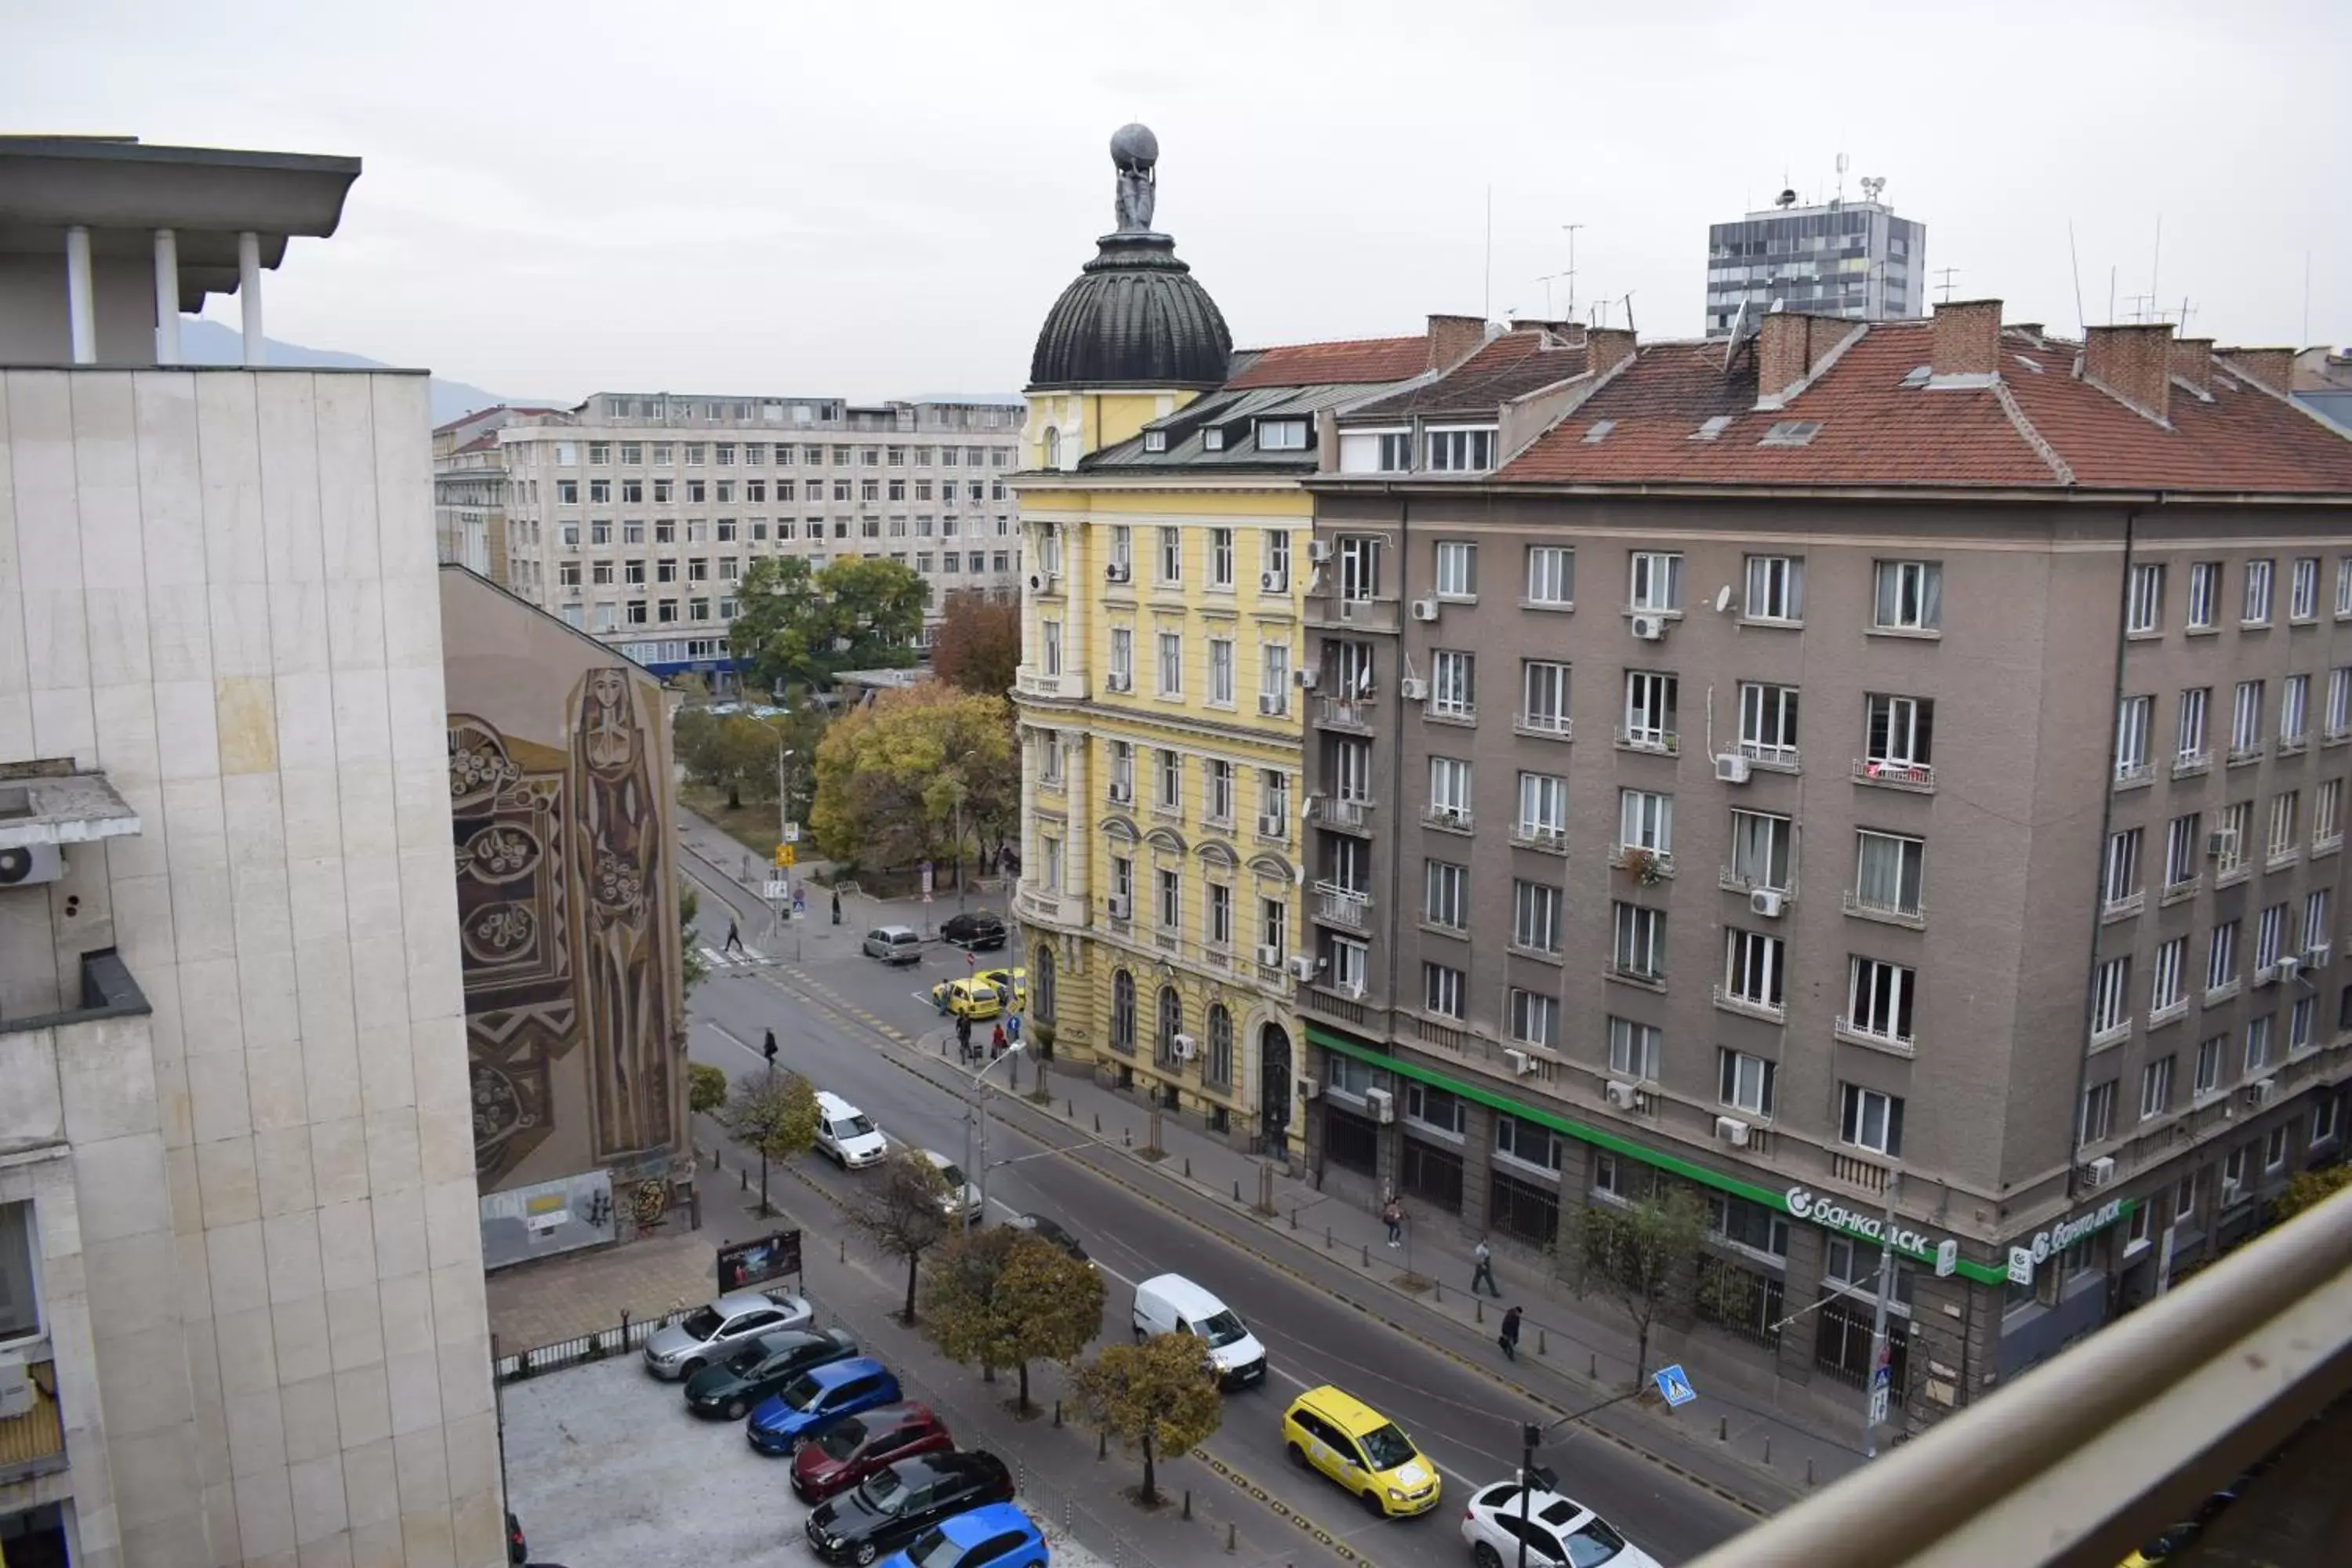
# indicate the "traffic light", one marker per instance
pixel 768 1049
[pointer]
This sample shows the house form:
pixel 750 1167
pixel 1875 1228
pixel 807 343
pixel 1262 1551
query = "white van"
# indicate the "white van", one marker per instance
pixel 846 1136
pixel 1172 1304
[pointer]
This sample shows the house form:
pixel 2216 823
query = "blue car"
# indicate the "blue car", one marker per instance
pixel 816 1399
pixel 996 1536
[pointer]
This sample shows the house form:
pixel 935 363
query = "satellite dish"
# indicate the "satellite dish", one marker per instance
pixel 1723 598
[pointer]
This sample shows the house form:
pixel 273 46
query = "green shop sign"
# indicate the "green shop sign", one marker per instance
pixel 1797 1202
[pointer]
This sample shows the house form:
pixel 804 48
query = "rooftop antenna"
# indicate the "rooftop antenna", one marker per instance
pixel 2075 256
pixel 2304 340
pixel 2111 294
pixel 1487 301
pixel 1947 274
pixel 2155 264
pixel 1840 179
pixel 2187 311
pixel 1572 228
pixel 1547 280
pixel 1629 309
pixel 1871 185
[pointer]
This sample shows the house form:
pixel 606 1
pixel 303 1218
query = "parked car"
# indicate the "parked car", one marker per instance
pixel 982 995
pixel 816 1399
pixel 1331 1430
pixel 1045 1229
pixel 962 1199
pixel 982 930
pixel 997 1536
pixel 717 1331
pixel 855 1446
pixel 894 944
pixel 846 1136
pixel 892 1505
pixel 728 1389
pixel 1172 1304
pixel 1558 1527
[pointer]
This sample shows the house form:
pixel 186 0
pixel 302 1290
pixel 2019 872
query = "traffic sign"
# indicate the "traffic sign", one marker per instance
pixel 1673 1386
pixel 787 857
pixel 1947 1259
pixel 1878 1406
pixel 778 889
pixel 792 833
pixel 2020 1266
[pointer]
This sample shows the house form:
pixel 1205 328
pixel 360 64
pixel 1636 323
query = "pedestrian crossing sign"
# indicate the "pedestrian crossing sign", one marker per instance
pixel 1673 1386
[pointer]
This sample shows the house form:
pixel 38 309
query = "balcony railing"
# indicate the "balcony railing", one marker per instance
pixel 1891 773
pixel 1452 818
pixel 34 1443
pixel 2186 764
pixel 1030 681
pixel 1769 754
pixel 1545 726
pixel 1869 909
pixel 1660 743
pixel 1867 1174
pixel 1335 811
pixel 1856 1034
pixel 1529 835
pixel 1350 713
pixel 1733 1001
pixel 1335 905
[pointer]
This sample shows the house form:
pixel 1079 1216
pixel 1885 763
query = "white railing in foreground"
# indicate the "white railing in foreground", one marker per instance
pixel 2084 1457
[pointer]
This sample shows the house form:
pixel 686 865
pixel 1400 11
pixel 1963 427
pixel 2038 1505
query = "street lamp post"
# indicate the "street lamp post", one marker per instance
pixel 980 1116
pixel 767 1049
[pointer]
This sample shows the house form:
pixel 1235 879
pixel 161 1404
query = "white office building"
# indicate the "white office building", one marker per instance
pixel 1855 260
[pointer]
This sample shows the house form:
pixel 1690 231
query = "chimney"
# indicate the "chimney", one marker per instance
pixel 1605 348
pixel 1791 344
pixel 1453 339
pixel 2192 362
pixel 1567 331
pixel 2272 368
pixel 1967 339
pixel 2135 363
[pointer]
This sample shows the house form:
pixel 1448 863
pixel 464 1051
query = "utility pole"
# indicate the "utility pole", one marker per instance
pixel 1572 228
pixel 979 1166
pixel 1882 1370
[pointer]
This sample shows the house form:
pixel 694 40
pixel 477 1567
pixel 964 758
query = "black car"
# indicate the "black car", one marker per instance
pixel 982 930
pixel 892 1506
pixel 1045 1229
pixel 728 1390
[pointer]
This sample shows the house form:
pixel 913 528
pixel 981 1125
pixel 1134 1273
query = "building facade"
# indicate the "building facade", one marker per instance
pixel 469 488
pixel 245 1318
pixel 2006 683
pixel 633 517
pixel 1851 259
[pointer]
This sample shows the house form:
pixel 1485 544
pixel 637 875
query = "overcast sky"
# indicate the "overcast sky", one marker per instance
pixel 883 200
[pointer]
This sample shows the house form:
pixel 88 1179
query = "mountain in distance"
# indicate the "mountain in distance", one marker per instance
pixel 212 343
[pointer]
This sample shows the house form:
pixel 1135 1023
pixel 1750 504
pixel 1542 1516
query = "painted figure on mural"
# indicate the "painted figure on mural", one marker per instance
pixel 624 982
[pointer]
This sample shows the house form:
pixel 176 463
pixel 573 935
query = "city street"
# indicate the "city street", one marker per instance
pixel 1464 1422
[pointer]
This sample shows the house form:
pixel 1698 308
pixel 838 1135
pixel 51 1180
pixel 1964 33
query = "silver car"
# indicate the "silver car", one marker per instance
pixel 714 1332
pixel 894 944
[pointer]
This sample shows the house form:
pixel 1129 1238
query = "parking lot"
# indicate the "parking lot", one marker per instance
pixel 606 1469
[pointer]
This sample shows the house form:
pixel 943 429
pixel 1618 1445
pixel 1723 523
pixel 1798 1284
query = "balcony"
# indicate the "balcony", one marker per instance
pixel 2326 844
pixel 1345 1003
pixel 1861 908
pixel 1352 615
pixel 1749 1008
pixel 34 1443
pixel 1450 818
pixel 1645 975
pixel 2132 776
pixel 2177 892
pixel 2188 764
pixel 1344 907
pixel 1766 755
pixel 1656 742
pixel 1349 815
pixel 1857 1034
pixel 1048 906
pixel 1868 1175
pixel 1032 682
pixel 2130 904
pixel 1543 726
pixel 1896 773
pixel 2249 751
pixel 1531 836
pixel 1351 714
pixel 1168 941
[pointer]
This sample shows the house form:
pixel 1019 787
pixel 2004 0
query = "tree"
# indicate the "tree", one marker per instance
pixel 1642 1256
pixel 692 968
pixel 774 1113
pixel 978 644
pixel 896 778
pixel 904 1213
pixel 796 625
pixel 733 752
pixel 2309 1189
pixel 1161 1397
pixel 706 1088
pixel 1005 1297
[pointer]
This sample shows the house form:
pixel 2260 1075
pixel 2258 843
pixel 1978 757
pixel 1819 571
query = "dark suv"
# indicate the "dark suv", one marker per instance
pixel 892 1506
pixel 982 930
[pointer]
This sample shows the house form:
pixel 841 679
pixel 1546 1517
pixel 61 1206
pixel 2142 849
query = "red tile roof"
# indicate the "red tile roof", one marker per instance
pixel 1509 366
pixel 1367 360
pixel 2033 428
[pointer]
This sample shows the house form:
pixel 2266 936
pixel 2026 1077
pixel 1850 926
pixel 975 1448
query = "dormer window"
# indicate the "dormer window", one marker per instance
pixel 1791 433
pixel 1053 447
pixel 1715 425
pixel 1155 440
pixel 1282 434
pixel 1213 439
pixel 1462 451
pixel 1375 451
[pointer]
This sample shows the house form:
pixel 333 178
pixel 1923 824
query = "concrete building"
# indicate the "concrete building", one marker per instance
pixel 559 775
pixel 1853 259
pixel 469 488
pixel 2007 685
pixel 634 516
pixel 244 1318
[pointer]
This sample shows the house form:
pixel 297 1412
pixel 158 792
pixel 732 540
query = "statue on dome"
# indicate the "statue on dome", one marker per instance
pixel 1133 151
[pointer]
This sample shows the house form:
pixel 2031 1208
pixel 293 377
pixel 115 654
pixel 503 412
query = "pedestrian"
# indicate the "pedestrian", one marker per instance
pixel 1393 1216
pixel 996 1043
pixel 837 906
pixel 1484 1273
pixel 963 1036
pixel 734 937
pixel 1510 1338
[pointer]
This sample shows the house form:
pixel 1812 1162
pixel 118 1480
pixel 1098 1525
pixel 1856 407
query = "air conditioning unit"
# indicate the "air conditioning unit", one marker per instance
pixel 1650 628
pixel 1521 1062
pixel 1121 905
pixel 1769 902
pixel 1270 955
pixel 2099 1171
pixel 1425 609
pixel 1117 571
pixel 16 1390
pixel 1621 1094
pixel 1413 689
pixel 1382 1104
pixel 1274 582
pixel 2317 957
pixel 1042 581
pixel 1733 1131
pixel 1271 827
pixel 1303 965
pixel 1303 678
pixel 1731 768
pixel 2288 968
pixel 1310 1089
pixel 1122 795
pixel 1119 680
pixel 1271 705
pixel 2260 1092
pixel 2222 843
pixel 1319 551
pixel 26 864
pixel 1180 1047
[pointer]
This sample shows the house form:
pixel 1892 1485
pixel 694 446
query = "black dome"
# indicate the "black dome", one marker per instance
pixel 1135 317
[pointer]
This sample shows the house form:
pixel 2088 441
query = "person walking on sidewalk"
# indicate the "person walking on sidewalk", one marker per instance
pixel 963 1036
pixel 1484 1273
pixel 996 1043
pixel 837 906
pixel 734 937
pixel 1392 1216
pixel 1510 1338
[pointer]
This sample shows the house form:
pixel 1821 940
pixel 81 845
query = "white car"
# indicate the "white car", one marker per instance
pixel 714 1332
pixel 1560 1532
pixel 962 1199
pixel 846 1136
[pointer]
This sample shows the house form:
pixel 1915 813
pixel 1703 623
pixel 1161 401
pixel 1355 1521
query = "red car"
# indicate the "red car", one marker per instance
pixel 853 1449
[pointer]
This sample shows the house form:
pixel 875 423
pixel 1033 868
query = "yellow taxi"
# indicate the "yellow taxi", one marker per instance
pixel 1332 1431
pixel 979 995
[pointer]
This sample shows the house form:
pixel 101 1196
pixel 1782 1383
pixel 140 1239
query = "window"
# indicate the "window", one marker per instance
pixel 2258 1043
pixel 1888 870
pixel 1221 790
pixel 1760 849
pixel 1754 969
pixel 1050 637
pixel 2143 612
pixel 2194 701
pixel 2257 611
pixel 1171 557
pixel 2269 938
pixel 1121 539
pixel 1872 1121
pixel 2134 716
pixel 1376 451
pixel 1879 996
pixel 1274 925
pixel 1902 732
pixel 1633 1049
pixel 1544 697
pixel 1646 821
pixel 1172 781
pixel 1171 664
pixel 1658 584
pixel 1461 451
pixel 1220 915
pixel 1650 702
pixel 1169 886
pixel 20 1301
pixel 1530 1142
pixel 1221 671
pixel 1446 895
pixel 2295 710
pixel 1277 545
pixel 2340 700
pixel 1453 684
pixel 1641 948
pixel 1551 575
pixel 2222 955
pixel 1352 665
pixel 1543 807
pixel 1534 916
pixel 1442 990
pixel 2298 1024
pixel 1449 790
pixel 2167 988
pixel 2237 826
pixel 2204 595
pixel 1122 658
pixel 1220 558
pixel 1909 596
pixel 1768 723
pixel 2209 1064
pixel 2325 1116
pixel 567 493
pixel 2275 1151
pixel 1282 434
pixel 2156 1089
pixel 2111 1000
pixel 1776 588
pixel 1745 1082
pixel 1457 569
pixel 2119 884
pixel 1534 1018
pixel 1273 677
pixel 2317 935
pixel 1122 773
pixel 2302 589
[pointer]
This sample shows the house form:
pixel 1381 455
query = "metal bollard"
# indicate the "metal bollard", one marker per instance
pixel 1809 1469
pixel 1057 1414
pixel 1188 1502
pixel 742 1180
pixel 1767 1447
pixel 1723 1430
pixel 1367 1255
pixel 1593 1371
pixel 1293 1219
pixel 1439 1286
pixel 1327 1237
pixel 1097 1121
pixel 1237 1183
pixel 845 1249
pixel 1102 1445
pixel 1127 1137
pixel 1070 1109
pixel 1478 1305
pixel 1231 1539
pixel 714 1159
pixel 1542 1348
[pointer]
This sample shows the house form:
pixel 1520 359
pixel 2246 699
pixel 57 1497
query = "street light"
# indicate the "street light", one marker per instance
pixel 980 1086
pixel 963 789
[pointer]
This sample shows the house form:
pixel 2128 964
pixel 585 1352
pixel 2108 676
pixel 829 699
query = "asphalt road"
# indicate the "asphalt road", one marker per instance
pixel 1465 1425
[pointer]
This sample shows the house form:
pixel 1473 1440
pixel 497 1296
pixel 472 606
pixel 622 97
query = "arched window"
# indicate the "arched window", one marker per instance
pixel 1122 1013
pixel 1220 1070
pixel 1040 983
pixel 1171 1024
pixel 1053 447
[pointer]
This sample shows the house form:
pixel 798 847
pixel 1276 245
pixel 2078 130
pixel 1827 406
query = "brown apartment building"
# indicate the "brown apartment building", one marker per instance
pixel 1842 764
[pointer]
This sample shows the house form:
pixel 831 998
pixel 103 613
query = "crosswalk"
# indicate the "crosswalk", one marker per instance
pixel 744 957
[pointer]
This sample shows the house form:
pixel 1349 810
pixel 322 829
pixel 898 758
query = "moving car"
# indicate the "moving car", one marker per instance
pixel 855 1446
pixel 981 995
pixel 1047 1228
pixel 962 1199
pixel 1331 1430
pixel 982 930
pixel 1556 1529
pixel 717 1331
pixel 894 944
pixel 891 1507
pixel 1172 1304
pixel 846 1136
pixel 997 1536
pixel 816 1399
pixel 728 1389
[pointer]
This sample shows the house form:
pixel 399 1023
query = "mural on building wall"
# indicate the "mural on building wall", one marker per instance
pixel 560 876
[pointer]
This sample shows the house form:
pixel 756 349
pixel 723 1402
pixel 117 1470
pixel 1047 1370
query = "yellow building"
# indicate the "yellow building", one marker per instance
pixel 1165 531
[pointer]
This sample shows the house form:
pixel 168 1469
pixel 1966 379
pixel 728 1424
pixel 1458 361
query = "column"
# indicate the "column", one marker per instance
pixel 167 297
pixel 1032 867
pixel 1076 884
pixel 81 305
pixel 248 295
